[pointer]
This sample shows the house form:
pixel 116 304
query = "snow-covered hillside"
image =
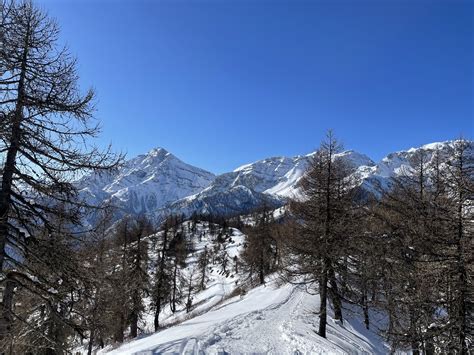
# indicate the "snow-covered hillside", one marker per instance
pixel 274 318
pixel 268 319
pixel 159 184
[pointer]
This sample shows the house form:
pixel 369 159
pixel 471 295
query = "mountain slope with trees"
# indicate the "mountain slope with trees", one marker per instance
pixel 97 254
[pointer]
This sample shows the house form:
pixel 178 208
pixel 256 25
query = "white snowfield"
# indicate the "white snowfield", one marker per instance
pixel 269 319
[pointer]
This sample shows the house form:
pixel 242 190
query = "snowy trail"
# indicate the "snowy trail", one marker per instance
pixel 178 339
pixel 268 319
pixel 262 331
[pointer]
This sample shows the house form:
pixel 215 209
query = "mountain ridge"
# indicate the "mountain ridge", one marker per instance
pixel 159 184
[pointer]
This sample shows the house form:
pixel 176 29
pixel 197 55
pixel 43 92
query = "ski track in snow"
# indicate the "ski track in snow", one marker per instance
pixel 265 328
pixel 268 320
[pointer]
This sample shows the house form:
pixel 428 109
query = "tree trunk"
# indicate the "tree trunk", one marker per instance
pixel 10 162
pixel 429 346
pixel 462 287
pixel 173 298
pixel 261 274
pixel 118 336
pixel 415 345
pixel 91 343
pixel 334 293
pixel 365 308
pixel 323 306
pixel 134 324
pixel 189 301
pixel 156 319
pixel 136 298
pixel 203 279
pixel 7 308
pixel 462 309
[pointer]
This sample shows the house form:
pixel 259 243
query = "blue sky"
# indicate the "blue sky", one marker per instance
pixel 223 83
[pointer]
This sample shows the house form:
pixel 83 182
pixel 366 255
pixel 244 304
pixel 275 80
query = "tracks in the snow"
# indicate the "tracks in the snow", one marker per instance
pixel 263 329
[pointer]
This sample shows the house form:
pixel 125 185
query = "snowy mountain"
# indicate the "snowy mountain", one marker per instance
pixel 268 182
pixel 248 187
pixel 159 184
pixel 375 177
pixel 145 183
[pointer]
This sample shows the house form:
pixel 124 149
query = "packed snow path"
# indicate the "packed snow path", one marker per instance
pixel 268 319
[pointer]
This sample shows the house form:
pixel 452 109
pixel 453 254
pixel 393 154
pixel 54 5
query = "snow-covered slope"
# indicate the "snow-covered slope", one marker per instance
pixel 274 318
pixel 268 319
pixel 145 183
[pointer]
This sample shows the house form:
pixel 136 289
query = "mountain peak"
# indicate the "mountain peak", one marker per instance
pixel 158 151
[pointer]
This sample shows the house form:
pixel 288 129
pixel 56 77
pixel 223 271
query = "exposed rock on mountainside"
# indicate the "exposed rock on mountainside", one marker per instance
pixel 159 184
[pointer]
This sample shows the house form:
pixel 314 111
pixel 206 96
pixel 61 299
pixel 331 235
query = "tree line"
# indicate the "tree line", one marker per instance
pixel 406 253
pixel 105 285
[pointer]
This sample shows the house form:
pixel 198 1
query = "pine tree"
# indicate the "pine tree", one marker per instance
pixel 177 252
pixel 161 283
pixel 138 277
pixel 52 310
pixel 457 210
pixel 424 239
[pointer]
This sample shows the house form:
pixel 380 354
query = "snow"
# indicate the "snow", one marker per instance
pixel 145 183
pixel 355 159
pixel 277 317
pixel 159 184
pixel 218 284
pixel 268 319
pixel 274 318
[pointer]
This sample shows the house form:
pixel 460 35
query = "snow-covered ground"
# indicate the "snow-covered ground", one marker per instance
pixel 277 319
pixel 218 284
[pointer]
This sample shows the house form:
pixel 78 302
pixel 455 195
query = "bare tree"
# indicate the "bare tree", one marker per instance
pixel 160 290
pixel 322 227
pixel 260 246
pixel 44 137
pixel 423 243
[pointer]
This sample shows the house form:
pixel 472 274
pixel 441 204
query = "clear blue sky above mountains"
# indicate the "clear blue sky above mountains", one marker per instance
pixel 223 83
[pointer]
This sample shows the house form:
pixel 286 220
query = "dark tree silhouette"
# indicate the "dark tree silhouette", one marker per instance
pixel 322 227
pixel 46 123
